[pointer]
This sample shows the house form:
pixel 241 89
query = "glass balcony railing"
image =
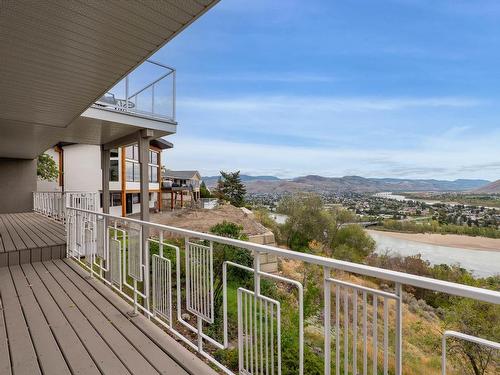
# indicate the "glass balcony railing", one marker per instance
pixel 147 91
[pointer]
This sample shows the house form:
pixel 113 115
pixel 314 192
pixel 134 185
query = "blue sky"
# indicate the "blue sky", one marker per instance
pixel 394 88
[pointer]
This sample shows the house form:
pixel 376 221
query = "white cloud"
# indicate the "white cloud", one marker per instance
pixel 211 155
pixel 333 104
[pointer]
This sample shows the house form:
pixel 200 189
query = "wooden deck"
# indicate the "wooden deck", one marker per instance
pixel 54 320
pixel 30 237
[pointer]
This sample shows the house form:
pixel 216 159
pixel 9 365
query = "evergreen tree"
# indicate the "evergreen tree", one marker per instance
pixel 230 188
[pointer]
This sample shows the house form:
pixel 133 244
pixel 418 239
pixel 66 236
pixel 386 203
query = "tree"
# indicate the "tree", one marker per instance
pixel 46 168
pixel 351 243
pixel 230 188
pixel 307 221
pixel 204 192
pixel 476 319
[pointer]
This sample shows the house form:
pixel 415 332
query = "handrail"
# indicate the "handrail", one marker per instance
pixel 460 290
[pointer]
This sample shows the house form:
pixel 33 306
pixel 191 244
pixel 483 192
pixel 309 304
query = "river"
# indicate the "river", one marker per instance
pixel 482 263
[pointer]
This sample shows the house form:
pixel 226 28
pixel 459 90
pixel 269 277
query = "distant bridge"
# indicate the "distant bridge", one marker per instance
pixel 363 224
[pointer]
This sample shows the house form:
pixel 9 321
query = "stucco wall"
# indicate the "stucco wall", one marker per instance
pixel 82 168
pixel 17 184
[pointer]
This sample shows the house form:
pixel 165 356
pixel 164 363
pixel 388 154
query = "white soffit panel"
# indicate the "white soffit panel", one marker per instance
pixel 58 56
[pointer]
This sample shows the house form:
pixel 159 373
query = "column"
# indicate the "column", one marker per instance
pixel 105 165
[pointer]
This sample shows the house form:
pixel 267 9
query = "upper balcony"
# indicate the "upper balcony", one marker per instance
pixel 148 92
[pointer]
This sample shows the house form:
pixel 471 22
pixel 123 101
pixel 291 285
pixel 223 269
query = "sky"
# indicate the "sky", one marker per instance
pixel 386 88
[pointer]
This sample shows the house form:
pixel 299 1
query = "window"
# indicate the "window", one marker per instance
pixel 132 152
pixel 116 199
pixel 129 170
pixel 153 173
pixel 113 170
pixel 114 153
pixel 153 157
pixel 137 172
pixel 133 171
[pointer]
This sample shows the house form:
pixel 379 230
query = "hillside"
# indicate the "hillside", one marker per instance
pixel 314 183
pixel 492 188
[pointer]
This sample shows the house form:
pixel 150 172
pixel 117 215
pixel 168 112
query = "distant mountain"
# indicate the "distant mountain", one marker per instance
pixel 315 183
pixel 492 188
pixel 212 180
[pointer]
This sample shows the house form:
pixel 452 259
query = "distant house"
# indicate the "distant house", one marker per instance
pixel 183 179
pixel 182 183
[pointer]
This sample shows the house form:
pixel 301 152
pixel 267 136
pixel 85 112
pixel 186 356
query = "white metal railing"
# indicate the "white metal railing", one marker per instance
pixel 150 90
pixel 178 278
pixel 53 203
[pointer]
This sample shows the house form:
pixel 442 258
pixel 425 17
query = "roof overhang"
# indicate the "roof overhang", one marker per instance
pixel 59 57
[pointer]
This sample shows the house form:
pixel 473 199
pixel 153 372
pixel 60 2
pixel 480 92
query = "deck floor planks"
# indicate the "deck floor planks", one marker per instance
pixel 29 231
pixel 4 345
pixel 8 245
pixel 56 230
pixel 102 354
pixel 28 242
pixel 74 351
pixel 157 357
pixel 127 353
pixel 53 320
pixel 16 239
pixel 49 240
pixel 23 356
pixel 48 352
pixel 185 360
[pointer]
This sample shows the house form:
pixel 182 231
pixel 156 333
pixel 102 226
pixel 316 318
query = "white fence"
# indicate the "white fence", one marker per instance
pixel 53 203
pixel 172 282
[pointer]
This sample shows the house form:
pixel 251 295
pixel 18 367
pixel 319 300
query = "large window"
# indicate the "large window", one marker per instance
pixel 153 173
pixel 133 171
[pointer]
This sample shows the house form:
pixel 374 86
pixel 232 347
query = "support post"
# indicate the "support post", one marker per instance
pixel 143 145
pixel 105 165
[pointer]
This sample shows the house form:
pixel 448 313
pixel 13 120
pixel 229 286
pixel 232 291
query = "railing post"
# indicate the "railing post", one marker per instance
pixel 399 329
pixel 327 317
pixel 256 267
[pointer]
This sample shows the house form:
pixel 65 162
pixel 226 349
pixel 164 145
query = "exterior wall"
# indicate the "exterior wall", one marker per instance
pixel 82 172
pixel 82 168
pixel 42 185
pixel 18 182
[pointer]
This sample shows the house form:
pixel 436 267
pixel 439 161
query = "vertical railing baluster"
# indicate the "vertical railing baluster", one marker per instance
pixel 346 331
pixel 337 329
pixel 375 333
pixel 355 331
pixel 327 317
pixel 365 334
pixel 399 329
pixel 386 336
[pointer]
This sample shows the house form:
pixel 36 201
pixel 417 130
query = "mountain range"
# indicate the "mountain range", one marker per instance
pixel 319 184
pixel 491 188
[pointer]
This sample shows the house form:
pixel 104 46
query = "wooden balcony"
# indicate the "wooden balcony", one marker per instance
pixel 56 320
pixel 30 237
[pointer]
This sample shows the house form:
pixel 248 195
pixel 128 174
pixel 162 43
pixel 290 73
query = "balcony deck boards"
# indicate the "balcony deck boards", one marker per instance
pixel 30 237
pixel 55 321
